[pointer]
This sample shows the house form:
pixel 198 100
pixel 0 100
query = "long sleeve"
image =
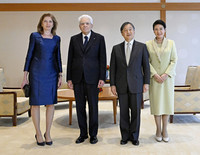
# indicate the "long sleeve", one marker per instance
pixel 145 66
pixel 112 68
pixel 102 59
pixel 173 61
pixel 69 61
pixel 59 56
pixel 30 52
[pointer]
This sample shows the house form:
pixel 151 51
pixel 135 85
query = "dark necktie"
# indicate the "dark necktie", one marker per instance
pixel 85 42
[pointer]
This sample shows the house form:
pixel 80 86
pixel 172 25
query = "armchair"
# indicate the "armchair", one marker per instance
pixel 12 102
pixel 187 98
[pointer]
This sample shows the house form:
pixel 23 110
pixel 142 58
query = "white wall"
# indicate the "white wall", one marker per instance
pixel 182 26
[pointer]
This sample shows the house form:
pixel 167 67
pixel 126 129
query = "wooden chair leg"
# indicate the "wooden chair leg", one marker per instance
pixel 14 119
pixel 114 110
pixel 29 113
pixel 142 105
pixel 171 118
pixel 70 112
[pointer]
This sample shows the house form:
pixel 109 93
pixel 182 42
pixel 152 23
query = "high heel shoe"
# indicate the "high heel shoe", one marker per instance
pixel 40 144
pixel 48 143
pixel 158 139
pixel 165 139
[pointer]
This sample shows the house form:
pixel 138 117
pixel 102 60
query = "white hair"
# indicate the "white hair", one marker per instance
pixel 85 16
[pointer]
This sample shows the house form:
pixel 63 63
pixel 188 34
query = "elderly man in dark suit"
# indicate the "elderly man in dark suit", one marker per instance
pixel 129 78
pixel 86 73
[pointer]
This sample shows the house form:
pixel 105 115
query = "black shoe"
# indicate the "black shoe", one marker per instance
pixel 123 142
pixel 93 140
pixel 135 142
pixel 40 144
pixel 48 143
pixel 81 139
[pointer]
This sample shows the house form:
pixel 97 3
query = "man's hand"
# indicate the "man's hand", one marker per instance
pixel 100 84
pixel 70 84
pixel 113 90
pixel 145 88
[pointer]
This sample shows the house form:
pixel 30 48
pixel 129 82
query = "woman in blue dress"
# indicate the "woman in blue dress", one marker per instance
pixel 43 72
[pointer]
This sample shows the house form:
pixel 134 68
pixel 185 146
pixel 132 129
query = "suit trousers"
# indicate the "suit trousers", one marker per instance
pixel 130 107
pixel 87 92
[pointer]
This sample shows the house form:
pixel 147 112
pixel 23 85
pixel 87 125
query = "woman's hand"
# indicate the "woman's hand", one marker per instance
pixel 164 76
pixel 25 79
pixel 59 81
pixel 158 78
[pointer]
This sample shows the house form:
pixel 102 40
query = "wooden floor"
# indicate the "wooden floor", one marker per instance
pixel 184 135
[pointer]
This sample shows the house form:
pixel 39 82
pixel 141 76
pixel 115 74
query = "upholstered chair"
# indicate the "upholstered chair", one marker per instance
pixel 187 99
pixel 12 103
pixel 189 75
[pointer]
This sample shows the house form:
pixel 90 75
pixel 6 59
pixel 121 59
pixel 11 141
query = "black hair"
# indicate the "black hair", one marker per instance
pixel 159 22
pixel 126 23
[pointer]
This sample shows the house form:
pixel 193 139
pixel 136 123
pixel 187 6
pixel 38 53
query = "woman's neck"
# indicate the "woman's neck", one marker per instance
pixel 159 40
pixel 47 34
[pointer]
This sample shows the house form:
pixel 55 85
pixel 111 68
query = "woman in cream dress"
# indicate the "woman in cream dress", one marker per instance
pixel 163 59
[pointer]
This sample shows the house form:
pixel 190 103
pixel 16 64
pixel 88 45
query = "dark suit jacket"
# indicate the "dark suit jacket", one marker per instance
pixel 135 74
pixel 91 62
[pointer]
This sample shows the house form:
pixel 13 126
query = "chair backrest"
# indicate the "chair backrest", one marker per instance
pixel 195 84
pixel 190 74
pixel 2 79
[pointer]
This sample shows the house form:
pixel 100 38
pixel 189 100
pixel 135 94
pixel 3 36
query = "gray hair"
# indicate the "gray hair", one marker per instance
pixel 85 16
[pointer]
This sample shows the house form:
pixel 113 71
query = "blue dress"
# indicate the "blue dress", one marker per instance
pixel 43 62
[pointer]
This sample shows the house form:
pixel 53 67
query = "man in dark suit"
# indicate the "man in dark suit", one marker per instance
pixel 86 73
pixel 129 78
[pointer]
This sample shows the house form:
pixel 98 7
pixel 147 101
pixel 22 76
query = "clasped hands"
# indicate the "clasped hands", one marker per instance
pixel 160 78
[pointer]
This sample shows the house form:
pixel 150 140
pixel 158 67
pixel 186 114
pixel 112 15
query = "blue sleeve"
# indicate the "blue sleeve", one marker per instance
pixel 30 52
pixel 59 56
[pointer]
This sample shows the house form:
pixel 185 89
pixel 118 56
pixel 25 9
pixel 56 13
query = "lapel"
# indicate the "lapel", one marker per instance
pixel 122 52
pixel 159 51
pixel 133 52
pixel 80 41
pixel 90 42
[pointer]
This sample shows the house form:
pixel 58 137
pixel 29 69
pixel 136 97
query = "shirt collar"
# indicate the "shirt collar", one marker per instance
pixel 131 42
pixel 89 34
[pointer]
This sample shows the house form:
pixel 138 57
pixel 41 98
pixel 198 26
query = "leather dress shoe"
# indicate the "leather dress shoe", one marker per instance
pixel 123 142
pixel 81 139
pixel 135 142
pixel 93 140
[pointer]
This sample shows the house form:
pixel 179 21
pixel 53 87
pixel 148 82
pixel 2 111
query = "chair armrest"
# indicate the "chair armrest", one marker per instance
pixel 186 90
pixel 19 91
pixel 182 86
pixel 8 103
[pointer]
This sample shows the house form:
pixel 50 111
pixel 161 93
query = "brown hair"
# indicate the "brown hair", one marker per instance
pixel 55 23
